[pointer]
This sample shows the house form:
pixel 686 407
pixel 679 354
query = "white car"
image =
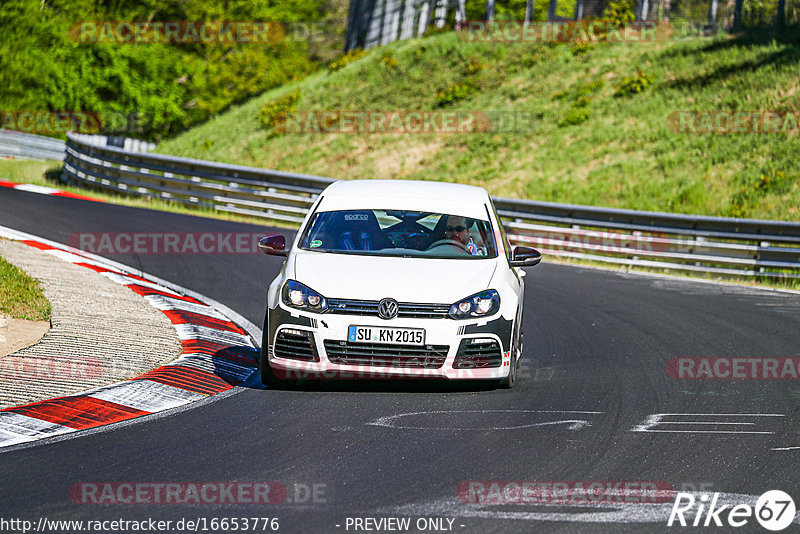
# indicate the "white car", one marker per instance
pixel 396 279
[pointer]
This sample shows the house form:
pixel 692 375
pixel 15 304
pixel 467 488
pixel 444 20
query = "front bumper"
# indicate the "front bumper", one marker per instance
pixel 315 346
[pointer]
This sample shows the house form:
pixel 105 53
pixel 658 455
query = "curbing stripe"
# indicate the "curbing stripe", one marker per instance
pixel 147 395
pixel 217 354
pixel 243 355
pixel 37 244
pixel 148 291
pixel 102 270
pixel 164 304
pixel 225 369
pixel 194 331
pixel 187 317
pixel 125 280
pixel 78 412
pixel 190 379
pixel 42 190
pixel 28 428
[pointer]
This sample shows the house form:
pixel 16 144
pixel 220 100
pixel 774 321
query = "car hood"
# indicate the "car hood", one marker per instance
pixel 423 280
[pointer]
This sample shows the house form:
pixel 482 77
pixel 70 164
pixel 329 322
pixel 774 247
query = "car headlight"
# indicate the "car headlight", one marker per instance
pixel 478 305
pixel 297 295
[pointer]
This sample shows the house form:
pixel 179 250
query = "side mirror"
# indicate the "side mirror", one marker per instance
pixel 525 257
pixel 274 245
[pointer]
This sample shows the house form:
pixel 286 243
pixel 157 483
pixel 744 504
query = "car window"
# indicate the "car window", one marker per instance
pixel 402 233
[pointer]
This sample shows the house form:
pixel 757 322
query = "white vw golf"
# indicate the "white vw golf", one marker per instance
pixel 393 279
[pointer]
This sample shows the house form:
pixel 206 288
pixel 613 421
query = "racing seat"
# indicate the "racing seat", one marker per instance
pixel 362 233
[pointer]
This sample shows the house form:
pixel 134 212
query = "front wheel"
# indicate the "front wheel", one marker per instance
pixel 509 381
pixel 268 377
pixel 516 355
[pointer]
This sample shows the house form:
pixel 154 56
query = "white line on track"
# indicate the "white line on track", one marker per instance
pixel 390 421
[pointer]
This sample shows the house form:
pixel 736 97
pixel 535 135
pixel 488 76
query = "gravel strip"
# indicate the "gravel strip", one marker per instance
pixel 101 333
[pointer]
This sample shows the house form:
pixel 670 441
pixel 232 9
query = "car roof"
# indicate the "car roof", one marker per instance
pixel 443 197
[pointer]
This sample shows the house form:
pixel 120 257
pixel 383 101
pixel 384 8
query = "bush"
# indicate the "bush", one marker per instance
pixel 453 94
pixel 273 114
pixel 164 88
pixel 634 85
pixel 474 67
pixel 581 48
pixel 620 11
pixel 388 60
pixel 345 59
pixel 577 114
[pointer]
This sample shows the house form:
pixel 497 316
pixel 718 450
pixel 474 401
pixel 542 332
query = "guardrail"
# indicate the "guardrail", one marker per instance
pixel 31 146
pixel 24 145
pixel 714 245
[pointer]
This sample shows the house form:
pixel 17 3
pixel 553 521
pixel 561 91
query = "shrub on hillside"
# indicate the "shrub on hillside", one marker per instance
pixel 273 114
pixel 454 93
pixel 634 84
pixel 388 60
pixel 345 59
pixel 620 11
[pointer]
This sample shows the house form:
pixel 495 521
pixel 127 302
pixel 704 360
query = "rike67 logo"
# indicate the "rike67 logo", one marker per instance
pixel 774 510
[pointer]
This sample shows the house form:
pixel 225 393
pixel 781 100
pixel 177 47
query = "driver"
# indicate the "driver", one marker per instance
pixel 457 229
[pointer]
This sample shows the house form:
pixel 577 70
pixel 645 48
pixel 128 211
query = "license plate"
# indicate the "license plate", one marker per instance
pixel 393 336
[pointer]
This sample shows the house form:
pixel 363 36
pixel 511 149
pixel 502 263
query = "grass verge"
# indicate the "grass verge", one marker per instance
pixel 20 295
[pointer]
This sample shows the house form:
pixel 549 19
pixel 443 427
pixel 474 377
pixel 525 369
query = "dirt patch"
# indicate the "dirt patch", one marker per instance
pixel 16 334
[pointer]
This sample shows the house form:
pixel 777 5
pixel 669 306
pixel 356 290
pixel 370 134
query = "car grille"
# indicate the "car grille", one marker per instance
pixel 382 355
pixel 405 309
pixel 295 346
pixel 478 355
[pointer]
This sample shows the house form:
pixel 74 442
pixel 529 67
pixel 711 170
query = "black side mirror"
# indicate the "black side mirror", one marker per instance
pixel 525 257
pixel 274 245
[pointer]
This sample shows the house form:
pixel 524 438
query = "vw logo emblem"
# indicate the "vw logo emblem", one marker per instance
pixel 387 309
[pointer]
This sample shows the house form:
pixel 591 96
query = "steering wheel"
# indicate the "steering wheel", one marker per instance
pixel 449 242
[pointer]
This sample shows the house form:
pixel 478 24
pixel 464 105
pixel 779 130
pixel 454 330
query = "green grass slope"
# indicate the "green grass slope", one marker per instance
pixel 582 144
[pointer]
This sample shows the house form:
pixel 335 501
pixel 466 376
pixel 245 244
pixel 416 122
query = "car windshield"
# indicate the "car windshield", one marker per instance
pixel 399 233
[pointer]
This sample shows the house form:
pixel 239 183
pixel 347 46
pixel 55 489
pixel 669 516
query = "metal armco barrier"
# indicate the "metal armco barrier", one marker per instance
pixel 713 245
pixel 25 145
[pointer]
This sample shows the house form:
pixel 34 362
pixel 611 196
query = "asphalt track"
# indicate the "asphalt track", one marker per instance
pixel 596 348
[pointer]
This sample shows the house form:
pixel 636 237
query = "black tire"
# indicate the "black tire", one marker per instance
pixel 268 377
pixel 516 350
pixel 509 381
